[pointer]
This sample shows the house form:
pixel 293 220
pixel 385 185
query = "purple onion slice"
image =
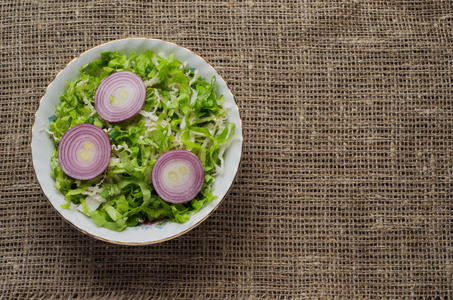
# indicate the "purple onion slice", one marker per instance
pixel 120 96
pixel 178 176
pixel 84 152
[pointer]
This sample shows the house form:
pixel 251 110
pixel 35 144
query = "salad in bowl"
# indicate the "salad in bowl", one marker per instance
pixel 137 141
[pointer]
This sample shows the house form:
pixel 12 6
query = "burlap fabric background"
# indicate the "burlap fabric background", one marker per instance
pixel 345 189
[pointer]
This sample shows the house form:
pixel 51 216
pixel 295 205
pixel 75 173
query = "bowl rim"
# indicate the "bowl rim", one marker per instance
pixel 163 239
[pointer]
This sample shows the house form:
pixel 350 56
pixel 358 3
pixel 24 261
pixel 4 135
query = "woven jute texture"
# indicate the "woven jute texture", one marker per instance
pixel 346 185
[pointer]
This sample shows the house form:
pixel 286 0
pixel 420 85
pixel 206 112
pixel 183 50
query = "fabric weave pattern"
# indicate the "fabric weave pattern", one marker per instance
pixel 345 188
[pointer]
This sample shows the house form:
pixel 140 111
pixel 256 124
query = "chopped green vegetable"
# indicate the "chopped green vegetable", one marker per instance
pixel 181 112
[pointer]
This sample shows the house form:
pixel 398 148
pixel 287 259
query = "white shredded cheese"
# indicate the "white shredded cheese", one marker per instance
pixel 197 133
pixel 114 160
pixel 148 115
pixel 159 97
pixel 194 78
pixel 175 144
pixel 149 125
pixel 183 123
pixel 211 128
pixel 121 147
pixel 73 206
pixel 226 106
pixel 175 86
pixel 220 123
pixel 219 169
pixel 193 96
pixel 155 108
pixel 152 81
pixel 178 136
pixel 43 128
pixel 92 204
pixel 82 82
pixel 192 118
pixel 88 103
pixel 205 142
pixel 163 55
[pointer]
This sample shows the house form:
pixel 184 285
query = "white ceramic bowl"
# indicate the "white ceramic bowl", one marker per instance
pixel 42 146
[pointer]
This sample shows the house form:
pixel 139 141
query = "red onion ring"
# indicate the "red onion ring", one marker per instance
pixel 178 176
pixel 84 152
pixel 120 96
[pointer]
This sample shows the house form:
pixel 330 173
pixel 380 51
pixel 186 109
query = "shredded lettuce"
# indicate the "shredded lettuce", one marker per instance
pixel 181 111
